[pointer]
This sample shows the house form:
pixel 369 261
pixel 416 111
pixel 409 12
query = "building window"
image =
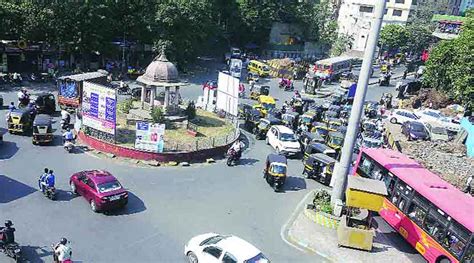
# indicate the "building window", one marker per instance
pixel 366 9
pixel 414 2
pixel 397 12
pixel 385 12
pixel 399 1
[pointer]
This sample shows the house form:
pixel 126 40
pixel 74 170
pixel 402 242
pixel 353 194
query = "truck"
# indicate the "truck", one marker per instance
pixel 70 88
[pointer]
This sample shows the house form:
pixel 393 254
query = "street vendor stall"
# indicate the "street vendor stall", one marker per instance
pixel 362 194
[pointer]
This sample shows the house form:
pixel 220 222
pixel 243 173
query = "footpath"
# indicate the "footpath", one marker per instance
pixel 318 235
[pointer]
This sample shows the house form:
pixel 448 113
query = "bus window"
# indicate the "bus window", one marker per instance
pixel 469 256
pixel 365 166
pixel 456 239
pixel 389 181
pixel 435 224
pixel 418 209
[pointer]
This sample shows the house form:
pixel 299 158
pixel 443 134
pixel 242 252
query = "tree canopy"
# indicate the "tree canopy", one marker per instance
pixel 450 66
pixel 184 26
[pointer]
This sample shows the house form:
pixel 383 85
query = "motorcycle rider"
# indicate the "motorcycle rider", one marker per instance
pixel 23 97
pixel 50 179
pixel 62 251
pixel 237 147
pixel 65 118
pixel 7 234
pixel 42 180
pixel 68 135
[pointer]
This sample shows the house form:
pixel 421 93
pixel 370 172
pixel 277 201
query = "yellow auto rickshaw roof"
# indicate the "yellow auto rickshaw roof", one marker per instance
pixel 256 62
pixel 266 99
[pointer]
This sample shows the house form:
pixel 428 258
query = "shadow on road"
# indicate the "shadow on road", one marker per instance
pixel 10 189
pixel 64 196
pixel 294 183
pixel 135 205
pixel 36 254
pixel 9 149
pixel 248 161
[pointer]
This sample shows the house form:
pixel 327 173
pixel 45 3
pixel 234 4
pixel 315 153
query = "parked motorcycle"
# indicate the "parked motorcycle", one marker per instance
pixel 13 250
pixel 233 158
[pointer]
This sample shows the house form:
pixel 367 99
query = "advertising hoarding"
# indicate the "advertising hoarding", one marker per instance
pixel 228 93
pixel 149 136
pixel 99 105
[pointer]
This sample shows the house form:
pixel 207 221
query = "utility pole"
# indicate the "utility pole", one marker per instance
pixel 340 174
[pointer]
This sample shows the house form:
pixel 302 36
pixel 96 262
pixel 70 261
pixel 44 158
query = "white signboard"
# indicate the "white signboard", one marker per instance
pixel 99 107
pixel 149 136
pixel 227 93
pixel 235 67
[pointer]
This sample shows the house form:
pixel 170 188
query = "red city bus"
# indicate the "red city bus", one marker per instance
pixel 436 218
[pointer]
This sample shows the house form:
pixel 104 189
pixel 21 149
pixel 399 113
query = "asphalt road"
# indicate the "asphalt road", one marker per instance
pixel 167 206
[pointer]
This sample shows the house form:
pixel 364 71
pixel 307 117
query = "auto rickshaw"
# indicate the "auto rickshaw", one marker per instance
pixel 258 91
pixel 263 125
pixel 335 140
pixel 290 120
pixel 243 110
pixel 307 138
pixel 42 129
pixel 308 118
pixel 45 103
pixel 265 104
pixel 335 108
pixel 329 115
pixel 317 147
pixel 19 121
pixel 275 171
pixel 320 167
pixel 321 128
pixel 252 118
pixel 334 123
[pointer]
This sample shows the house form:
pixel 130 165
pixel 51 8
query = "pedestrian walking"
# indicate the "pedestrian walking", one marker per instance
pixel 468 184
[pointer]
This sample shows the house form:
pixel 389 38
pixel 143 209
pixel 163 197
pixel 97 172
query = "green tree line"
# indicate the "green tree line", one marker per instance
pixel 185 27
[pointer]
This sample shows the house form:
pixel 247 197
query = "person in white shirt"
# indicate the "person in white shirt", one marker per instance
pixel 62 251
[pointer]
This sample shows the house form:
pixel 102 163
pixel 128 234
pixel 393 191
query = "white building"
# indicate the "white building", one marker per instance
pixel 355 16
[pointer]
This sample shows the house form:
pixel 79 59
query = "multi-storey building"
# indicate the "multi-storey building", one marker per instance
pixel 355 16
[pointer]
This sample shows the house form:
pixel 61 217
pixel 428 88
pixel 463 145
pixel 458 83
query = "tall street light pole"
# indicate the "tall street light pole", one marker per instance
pixel 340 174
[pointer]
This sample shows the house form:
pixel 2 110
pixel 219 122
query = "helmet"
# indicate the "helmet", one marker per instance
pixel 63 241
pixel 8 223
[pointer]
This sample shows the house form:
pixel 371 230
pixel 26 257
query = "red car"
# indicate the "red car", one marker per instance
pixel 100 188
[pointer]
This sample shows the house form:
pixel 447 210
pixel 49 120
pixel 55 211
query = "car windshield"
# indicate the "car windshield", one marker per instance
pixel 372 144
pixel 287 137
pixel 439 130
pixel 108 187
pixel 417 128
pixel 322 132
pixel 411 116
pixel 306 119
pixel 263 125
pixel 337 141
pixel 260 258
pixel 369 126
pixel 278 169
pixel 212 240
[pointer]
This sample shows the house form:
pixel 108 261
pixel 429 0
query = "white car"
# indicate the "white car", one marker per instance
pixel 402 116
pixel 436 118
pixel 215 248
pixel 283 140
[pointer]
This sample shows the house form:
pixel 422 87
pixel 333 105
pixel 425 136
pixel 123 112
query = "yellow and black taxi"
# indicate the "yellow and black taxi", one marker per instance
pixel 42 129
pixel 275 171
pixel 320 167
pixel 19 120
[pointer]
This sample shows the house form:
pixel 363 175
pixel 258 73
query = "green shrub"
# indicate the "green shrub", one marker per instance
pixel 322 201
pixel 158 115
pixel 125 106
